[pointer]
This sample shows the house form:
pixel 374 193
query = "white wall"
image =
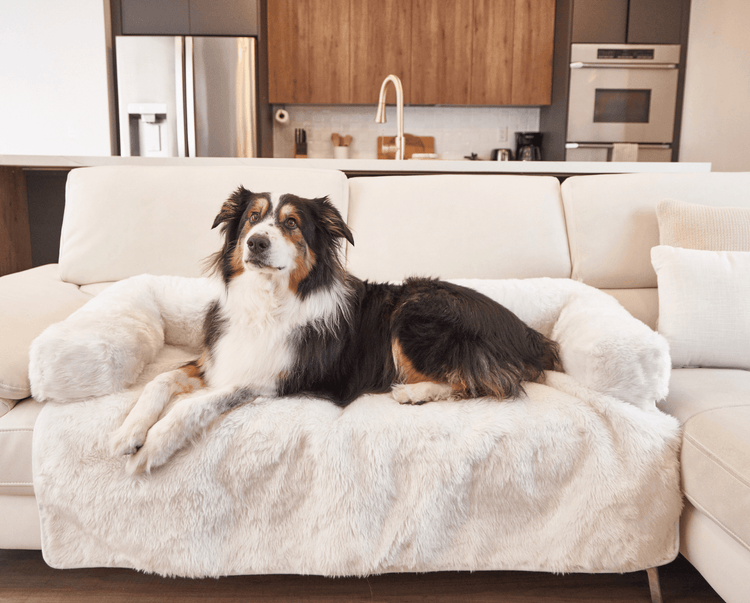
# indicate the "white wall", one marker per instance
pixel 54 96
pixel 716 114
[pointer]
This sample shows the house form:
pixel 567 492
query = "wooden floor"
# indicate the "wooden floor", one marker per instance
pixel 24 577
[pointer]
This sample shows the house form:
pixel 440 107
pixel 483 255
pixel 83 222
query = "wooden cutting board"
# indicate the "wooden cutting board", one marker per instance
pixel 414 144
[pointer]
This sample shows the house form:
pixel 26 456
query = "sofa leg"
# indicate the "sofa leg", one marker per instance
pixel 653 584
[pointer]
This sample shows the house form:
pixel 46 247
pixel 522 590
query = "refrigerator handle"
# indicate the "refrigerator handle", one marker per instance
pixel 179 84
pixel 251 119
pixel 190 96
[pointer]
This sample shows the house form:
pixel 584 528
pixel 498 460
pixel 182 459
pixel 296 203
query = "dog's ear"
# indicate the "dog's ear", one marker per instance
pixel 233 207
pixel 331 220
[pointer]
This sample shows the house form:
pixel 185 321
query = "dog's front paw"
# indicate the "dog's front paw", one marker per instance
pixel 419 393
pixel 161 443
pixel 128 438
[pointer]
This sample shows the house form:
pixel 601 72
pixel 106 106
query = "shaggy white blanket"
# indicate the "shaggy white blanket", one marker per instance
pixel 579 475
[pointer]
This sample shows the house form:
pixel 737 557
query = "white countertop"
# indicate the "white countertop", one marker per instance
pixel 367 166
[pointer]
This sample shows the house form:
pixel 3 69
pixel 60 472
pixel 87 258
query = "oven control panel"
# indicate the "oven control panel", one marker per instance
pixel 628 54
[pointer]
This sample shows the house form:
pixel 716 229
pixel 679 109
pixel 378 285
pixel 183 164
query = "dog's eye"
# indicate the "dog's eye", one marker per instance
pixel 254 217
pixel 291 223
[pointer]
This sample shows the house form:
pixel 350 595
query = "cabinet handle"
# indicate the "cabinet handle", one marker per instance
pixel 605 145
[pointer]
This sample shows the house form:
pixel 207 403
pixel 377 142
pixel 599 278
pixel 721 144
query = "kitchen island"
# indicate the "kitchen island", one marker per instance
pixel 356 167
pixel 32 187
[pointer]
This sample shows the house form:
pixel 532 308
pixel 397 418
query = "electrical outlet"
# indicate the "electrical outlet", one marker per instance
pixel 502 134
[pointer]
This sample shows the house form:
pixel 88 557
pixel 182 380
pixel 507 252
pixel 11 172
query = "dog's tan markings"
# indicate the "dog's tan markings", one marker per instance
pixel 190 379
pixel 496 382
pixel 415 387
pixel 261 205
pixel 304 263
pixel 294 235
pixel 238 266
pixel 404 367
pixel 305 260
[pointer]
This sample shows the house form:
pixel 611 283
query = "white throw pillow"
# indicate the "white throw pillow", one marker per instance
pixel 704 305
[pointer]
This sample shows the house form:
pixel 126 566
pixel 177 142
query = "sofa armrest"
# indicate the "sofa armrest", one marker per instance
pixel 30 301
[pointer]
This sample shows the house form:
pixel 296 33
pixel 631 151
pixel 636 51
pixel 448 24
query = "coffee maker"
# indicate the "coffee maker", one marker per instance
pixel 529 146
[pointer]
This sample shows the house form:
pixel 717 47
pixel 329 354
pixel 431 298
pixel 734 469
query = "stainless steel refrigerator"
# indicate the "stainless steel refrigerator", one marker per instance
pixel 187 96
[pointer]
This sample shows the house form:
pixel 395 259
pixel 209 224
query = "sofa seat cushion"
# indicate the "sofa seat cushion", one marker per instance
pixel 457 227
pixel 16 430
pixel 714 406
pixel 30 301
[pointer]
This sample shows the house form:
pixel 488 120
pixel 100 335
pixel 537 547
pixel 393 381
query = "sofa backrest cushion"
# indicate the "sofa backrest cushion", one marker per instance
pixel 456 226
pixel 127 220
pixel 612 223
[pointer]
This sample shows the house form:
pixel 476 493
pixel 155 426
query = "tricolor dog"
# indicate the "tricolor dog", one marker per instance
pixel 292 321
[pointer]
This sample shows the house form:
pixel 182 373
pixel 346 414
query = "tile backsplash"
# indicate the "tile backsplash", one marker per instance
pixel 458 131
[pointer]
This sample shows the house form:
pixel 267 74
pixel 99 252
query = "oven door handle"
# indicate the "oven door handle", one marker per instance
pixel 581 65
pixel 609 145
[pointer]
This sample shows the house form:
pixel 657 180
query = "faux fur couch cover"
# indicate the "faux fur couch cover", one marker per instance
pixel 579 475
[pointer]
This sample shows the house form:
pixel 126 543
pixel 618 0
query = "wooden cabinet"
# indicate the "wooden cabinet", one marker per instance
pixel 381 42
pixel 288 64
pixel 441 52
pixel 492 52
pixel 15 241
pixel 483 52
pixel 308 58
pixel 328 52
pixel 627 21
pixel 532 52
pixel 462 52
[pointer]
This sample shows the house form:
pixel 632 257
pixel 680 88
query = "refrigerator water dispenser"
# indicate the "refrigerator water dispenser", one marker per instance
pixel 149 131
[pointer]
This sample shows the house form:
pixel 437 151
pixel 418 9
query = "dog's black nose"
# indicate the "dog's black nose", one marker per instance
pixel 258 243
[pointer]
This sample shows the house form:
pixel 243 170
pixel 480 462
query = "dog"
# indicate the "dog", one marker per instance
pixel 292 321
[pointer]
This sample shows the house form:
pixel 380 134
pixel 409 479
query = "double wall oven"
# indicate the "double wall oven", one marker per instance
pixel 622 101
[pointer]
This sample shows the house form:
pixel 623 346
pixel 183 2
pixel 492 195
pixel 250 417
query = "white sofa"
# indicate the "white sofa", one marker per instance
pixel 124 221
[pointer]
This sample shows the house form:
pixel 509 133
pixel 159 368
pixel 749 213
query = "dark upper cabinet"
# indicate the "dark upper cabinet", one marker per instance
pixel 655 21
pixel 600 21
pixel 627 21
pixel 155 17
pixel 223 18
pixel 190 17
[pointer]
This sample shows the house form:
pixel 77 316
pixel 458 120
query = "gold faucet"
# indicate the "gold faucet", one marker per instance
pixel 400 145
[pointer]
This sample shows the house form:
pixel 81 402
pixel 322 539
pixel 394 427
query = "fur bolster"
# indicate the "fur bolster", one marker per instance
pixel 103 347
pixel 605 348
pixel 602 345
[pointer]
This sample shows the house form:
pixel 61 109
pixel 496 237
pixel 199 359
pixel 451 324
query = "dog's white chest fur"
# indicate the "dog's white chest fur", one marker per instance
pixel 260 314
pixel 253 350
